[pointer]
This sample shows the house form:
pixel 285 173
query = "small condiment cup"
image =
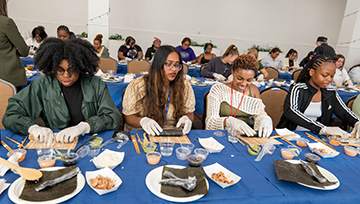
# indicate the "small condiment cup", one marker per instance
pixel 195 160
pixel 253 149
pixel 312 158
pixel 96 143
pixel 202 152
pixel 153 158
pixel 190 146
pixel 69 159
pixel 333 140
pixel 166 146
pixel 287 154
pixel 296 150
pixel 46 161
pixel 350 151
pixel 149 146
pixel 302 142
pixel 44 148
pixel 182 153
pixel 21 152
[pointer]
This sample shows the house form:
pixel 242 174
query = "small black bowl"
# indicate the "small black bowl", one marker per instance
pixel 195 160
pixel 69 159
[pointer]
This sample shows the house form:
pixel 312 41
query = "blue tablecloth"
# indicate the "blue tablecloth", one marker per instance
pixel 194 72
pixel 258 184
pixel 26 61
pixel 285 75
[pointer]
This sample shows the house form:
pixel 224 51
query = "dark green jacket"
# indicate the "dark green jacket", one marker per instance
pixel 12 46
pixel 43 98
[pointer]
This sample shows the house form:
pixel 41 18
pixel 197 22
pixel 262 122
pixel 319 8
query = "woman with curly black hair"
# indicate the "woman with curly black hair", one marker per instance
pixel 67 97
pixel 231 104
pixel 162 98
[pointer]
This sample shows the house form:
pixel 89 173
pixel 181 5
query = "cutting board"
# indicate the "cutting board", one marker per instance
pixel 257 140
pixel 58 145
pixel 178 139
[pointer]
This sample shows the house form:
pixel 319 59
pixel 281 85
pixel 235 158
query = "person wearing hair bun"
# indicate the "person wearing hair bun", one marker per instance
pixel 205 57
pixel 130 50
pixel 38 35
pixel 323 48
pixel 231 104
pixel 68 96
pixel 272 60
pixel 102 51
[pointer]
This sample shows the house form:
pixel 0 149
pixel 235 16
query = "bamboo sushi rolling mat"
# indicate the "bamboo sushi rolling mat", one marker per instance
pixel 178 139
pixel 58 145
pixel 257 140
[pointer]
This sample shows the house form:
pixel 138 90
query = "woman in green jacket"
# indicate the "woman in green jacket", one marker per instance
pixel 12 47
pixel 68 97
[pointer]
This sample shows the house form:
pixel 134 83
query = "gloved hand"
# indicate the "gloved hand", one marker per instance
pixel 334 131
pixel 260 77
pixel 265 127
pixel 349 82
pixel 127 59
pixel 356 130
pixel 150 126
pixel 219 77
pixel 230 78
pixel 239 125
pixel 41 134
pixel 184 120
pixel 68 134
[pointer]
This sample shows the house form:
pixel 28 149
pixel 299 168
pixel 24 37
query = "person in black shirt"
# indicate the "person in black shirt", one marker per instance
pixel 129 50
pixel 150 52
pixel 323 48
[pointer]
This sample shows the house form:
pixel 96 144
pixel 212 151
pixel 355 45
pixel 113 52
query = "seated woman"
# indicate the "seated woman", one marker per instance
pixel 220 67
pixel 272 60
pixel 354 73
pixel 290 62
pixel 102 51
pixel 161 98
pixel 67 97
pixel 130 50
pixel 341 76
pixel 187 54
pixel 309 105
pixel 38 34
pixel 150 52
pixel 64 33
pixel 205 57
pixel 231 104
pixel 306 59
pixel 262 73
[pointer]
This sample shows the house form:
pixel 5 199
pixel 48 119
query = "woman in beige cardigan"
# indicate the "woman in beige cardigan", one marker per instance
pixel 12 47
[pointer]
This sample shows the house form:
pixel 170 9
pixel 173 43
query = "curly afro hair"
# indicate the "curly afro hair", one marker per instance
pixel 80 54
pixel 245 61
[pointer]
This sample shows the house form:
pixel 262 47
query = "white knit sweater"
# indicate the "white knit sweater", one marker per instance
pixel 220 92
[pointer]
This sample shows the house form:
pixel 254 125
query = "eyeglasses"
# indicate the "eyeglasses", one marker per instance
pixel 69 71
pixel 169 66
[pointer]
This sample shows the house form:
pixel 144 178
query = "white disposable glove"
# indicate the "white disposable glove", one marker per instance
pixel 68 134
pixel 356 130
pixel 349 82
pixel 41 134
pixel 219 77
pixel 265 127
pixel 230 78
pixel 184 120
pixel 127 59
pixel 239 125
pixel 334 131
pixel 150 126
pixel 260 77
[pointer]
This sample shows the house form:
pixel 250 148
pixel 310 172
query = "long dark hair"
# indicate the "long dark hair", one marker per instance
pixel 291 51
pixel 3 8
pixel 337 57
pixel 155 96
pixel 40 30
pixel 314 63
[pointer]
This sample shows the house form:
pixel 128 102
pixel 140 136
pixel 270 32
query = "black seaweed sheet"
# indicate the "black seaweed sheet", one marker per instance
pixel 296 173
pixel 177 191
pixel 172 132
pixel 49 193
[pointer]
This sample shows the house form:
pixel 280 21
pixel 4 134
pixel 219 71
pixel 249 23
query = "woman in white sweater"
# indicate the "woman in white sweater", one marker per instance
pixel 231 104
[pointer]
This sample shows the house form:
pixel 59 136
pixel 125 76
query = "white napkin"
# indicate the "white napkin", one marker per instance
pixel 128 78
pixel 285 131
pixel 99 73
pixel 13 159
pixel 3 185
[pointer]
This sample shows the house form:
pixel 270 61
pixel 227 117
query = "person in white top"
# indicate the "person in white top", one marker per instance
pixel 341 76
pixel 229 105
pixel 38 35
pixel 290 62
pixel 272 60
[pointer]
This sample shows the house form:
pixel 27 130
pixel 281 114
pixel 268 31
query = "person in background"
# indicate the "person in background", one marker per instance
pixel 102 51
pixel 226 102
pixel 38 34
pixel 130 50
pixel 150 52
pixel 162 98
pixel 356 106
pixel 12 47
pixel 290 62
pixel 354 73
pixel 220 67
pixel 309 105
pixel 341 75
pixel 205 57
pixel 68 96
pixel 63 32
pixel 306 59
pixel 187 54
pixel 323 48
pixel 262 73
pixel 272 60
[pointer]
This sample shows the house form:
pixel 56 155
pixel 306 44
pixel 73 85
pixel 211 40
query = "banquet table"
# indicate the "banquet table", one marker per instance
pixel 285 75
pixel 258 184
pixel 193 72
pixel 26 61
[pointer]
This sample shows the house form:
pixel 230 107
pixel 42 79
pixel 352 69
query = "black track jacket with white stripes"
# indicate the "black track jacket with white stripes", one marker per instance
pixel 299 98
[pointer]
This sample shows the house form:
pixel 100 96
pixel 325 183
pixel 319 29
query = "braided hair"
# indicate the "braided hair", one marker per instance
pixel 314 63
pixel 64 28
pixel 79 53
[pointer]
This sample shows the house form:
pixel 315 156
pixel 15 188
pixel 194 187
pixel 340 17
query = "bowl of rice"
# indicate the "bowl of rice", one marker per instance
pixel 108 158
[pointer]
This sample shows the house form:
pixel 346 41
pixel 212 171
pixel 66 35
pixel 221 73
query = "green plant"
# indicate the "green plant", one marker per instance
pixel 194 43
pixel 263 49
pixel 84 34
pixel 115 37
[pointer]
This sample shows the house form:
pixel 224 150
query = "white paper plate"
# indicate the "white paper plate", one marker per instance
pixel 105 172
pixel 332 153
pixel 216 168
pixel 18 185
pixel 115 80
pixel 152 182
pixel 116 157
pixel 211 145
pixel 327 174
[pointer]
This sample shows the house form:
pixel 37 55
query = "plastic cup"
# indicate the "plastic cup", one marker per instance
pixel 21 154
pixel 333 140
pixel 287 154
pixel 201 152
pixel 302 142
pixel 195 160
pixel 69 159
pixel 44 148
pixel 46 161
pixel 182 153
pixel 189 146
pixel 231 133
pixel 166 146
pixel 153 158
